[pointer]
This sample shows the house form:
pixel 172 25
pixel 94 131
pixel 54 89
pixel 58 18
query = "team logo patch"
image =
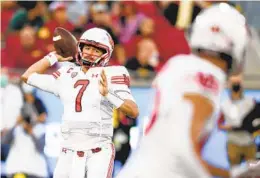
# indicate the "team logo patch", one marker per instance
pixel 207 81
pixel 74 74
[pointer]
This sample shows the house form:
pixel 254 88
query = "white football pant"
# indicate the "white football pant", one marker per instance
pixel 93 163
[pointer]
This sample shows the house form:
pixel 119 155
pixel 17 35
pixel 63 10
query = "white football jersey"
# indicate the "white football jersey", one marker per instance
pixel 87 116
pixel 166 149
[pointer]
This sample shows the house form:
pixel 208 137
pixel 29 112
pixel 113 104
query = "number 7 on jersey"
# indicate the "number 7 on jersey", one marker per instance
pixel 83 84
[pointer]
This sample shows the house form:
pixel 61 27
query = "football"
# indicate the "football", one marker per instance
pixel 65 43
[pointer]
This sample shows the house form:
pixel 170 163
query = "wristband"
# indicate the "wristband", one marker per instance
pixel 51 57
pixel 114 99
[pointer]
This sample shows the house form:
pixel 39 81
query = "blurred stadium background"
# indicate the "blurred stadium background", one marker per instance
pixel 146 34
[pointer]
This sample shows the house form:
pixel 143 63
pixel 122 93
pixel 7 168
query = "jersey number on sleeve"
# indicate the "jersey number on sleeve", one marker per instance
pixel 83 84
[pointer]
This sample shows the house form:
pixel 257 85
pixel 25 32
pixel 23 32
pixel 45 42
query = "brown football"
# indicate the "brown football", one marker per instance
pixel 65 43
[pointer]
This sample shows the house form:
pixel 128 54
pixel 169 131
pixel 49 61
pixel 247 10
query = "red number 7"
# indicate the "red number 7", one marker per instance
pixel 84 84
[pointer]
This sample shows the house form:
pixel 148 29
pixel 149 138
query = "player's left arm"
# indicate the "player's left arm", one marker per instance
pixel 201 97
pixel 119 94
pixel 202 109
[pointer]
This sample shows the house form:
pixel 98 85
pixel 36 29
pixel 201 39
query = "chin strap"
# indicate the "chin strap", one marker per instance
pixel 92 64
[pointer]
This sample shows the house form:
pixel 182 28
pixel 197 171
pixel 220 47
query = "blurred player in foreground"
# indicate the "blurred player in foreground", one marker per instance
pixel 89 92
pixel 188 95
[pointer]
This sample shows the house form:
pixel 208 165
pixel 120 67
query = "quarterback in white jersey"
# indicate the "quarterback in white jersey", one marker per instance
pixel 188 92
pixel 89 92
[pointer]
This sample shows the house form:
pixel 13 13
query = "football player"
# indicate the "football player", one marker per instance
pixel 89 93
pixel 188 92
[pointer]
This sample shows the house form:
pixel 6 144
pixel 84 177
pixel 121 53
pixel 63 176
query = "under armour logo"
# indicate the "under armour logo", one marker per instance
pixel 94 75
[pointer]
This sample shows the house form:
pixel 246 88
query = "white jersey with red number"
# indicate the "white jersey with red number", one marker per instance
pixel 166 149
pixel 87 116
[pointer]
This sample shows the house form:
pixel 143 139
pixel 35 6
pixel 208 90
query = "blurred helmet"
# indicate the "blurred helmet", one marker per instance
pixel 99 38
pixel 222 30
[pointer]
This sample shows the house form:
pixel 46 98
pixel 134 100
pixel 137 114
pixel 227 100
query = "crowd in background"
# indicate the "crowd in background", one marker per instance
pixel 146 34
pixel 23 117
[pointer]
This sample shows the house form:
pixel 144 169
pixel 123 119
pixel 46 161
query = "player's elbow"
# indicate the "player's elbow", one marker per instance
pixel 130 109
pixel 135 112
pixel 24 77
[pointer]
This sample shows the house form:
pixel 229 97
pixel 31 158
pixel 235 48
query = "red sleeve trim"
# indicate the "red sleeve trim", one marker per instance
pixel 56 74
pixel 125 80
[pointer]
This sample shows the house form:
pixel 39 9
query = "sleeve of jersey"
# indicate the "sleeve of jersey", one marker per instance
pixel 44 82
pixel 120 84
pixel 49 83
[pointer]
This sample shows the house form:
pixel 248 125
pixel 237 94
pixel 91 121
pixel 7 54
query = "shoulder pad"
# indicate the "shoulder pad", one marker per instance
pixel 118 75
pixel 116 70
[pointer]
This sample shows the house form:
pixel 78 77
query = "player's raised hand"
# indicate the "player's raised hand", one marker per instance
pixel 103 86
